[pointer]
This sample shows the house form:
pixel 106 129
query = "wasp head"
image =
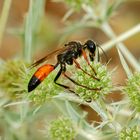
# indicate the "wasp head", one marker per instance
pixel 91 47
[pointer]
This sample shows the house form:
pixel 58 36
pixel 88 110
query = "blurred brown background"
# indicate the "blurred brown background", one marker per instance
pixel 126 16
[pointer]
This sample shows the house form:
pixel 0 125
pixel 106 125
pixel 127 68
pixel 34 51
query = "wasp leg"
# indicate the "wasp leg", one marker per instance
pixel 86 58
pixel 78 66
pixel 76 83
pixel 64 86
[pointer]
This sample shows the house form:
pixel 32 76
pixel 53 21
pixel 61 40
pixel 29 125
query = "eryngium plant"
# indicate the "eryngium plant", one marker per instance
pixel 102 86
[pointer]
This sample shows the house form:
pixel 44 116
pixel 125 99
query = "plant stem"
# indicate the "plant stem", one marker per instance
pixel 124 64
pixel 87 135
pixel 32 25
pixel 28 34
pixel 15 103
pixel 97 106
pixel 4 17
pixel 109 32
pixel 60 107
pixel 120 38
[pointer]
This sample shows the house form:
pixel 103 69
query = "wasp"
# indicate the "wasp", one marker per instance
pixel 67 55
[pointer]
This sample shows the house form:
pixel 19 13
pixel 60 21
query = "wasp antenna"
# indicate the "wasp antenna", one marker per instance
pixel 98 55
pixel 103 52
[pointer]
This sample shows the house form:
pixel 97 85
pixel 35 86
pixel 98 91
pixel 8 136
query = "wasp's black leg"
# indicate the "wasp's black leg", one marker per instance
pixel 76 83
pixel 78 66
pixel 56 78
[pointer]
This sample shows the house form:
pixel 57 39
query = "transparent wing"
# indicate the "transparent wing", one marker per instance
pixel 48 56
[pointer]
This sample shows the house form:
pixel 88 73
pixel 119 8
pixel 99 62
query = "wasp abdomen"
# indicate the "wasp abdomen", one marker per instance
pixel 39 76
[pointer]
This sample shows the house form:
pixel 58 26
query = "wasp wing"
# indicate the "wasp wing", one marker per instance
pixel 48 56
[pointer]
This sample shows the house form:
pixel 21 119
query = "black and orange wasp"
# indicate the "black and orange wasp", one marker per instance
pixel 67 55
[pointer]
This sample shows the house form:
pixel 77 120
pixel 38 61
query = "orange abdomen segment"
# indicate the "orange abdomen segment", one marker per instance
pixel 39 76
pixel 43 71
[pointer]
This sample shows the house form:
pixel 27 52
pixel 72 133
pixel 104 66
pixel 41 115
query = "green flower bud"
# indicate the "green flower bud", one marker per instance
pixel 132 88
pixel 11 80
pixel 130 133
pixel 62 129
pixel 104 83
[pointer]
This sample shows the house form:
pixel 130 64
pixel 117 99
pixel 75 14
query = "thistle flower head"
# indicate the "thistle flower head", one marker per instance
pixel 10 77
pixel 132 88
pixel 103 85
pixel 62 129
pixel 130 133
